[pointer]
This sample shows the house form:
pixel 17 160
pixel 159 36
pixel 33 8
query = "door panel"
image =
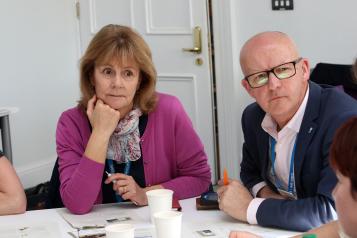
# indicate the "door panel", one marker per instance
pixel 185 86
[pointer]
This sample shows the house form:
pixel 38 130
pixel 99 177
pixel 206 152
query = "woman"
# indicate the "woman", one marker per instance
pixel 12 195
pixel 343 158
pixel 124 138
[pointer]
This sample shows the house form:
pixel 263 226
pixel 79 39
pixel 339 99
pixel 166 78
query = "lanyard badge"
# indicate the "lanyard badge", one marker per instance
pixel 112 171
pixel 290 193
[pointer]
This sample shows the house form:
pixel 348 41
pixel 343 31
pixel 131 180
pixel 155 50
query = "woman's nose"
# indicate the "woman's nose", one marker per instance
pixel 118 80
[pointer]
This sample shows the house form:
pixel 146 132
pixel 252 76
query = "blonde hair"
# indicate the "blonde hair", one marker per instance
pixel 119 43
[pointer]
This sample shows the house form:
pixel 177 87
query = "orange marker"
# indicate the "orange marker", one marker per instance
pixel 225 177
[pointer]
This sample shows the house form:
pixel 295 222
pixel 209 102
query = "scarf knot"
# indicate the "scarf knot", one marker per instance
pixel 124 143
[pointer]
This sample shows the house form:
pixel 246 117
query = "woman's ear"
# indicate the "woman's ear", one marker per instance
pixel 92 83
pixel 139 82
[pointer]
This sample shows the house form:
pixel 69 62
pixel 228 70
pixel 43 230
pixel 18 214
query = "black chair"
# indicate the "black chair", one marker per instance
pixel 54 199
pixel 335 75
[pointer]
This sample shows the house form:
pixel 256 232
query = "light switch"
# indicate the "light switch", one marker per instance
pixel 282 4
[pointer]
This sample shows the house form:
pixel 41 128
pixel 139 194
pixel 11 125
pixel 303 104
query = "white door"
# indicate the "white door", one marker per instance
pixel 167 26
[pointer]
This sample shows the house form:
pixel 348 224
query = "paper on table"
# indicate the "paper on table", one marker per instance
pixel 144 232
pixel 138 233
pixel 102 215
pixel 31 230
pixel 221 230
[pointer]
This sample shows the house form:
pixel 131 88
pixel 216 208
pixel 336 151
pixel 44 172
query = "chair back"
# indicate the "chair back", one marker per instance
pixel 54 195
pixel 335 75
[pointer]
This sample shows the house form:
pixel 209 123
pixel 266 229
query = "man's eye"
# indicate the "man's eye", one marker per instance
pixel 283 69
pixel 260 78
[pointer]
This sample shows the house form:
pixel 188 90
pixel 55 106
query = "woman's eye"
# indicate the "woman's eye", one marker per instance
pixel 107 71
pixel 128 73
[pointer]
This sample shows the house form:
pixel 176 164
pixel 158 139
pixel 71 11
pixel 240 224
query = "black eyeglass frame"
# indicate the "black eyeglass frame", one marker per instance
pixel 294 62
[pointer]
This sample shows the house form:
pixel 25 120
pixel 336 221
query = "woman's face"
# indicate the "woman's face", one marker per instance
pixel 115 84
pixel 345 205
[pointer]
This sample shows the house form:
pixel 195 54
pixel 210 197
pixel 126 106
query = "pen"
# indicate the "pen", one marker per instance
pixel 109 174
pixel 93 236
pixel 91 227
pixel 225 177
pixel 114 181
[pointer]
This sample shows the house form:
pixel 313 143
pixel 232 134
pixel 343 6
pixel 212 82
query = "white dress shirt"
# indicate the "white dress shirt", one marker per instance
pixel 285 140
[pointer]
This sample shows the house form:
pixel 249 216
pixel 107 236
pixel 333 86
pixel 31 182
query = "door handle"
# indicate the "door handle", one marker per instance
pixel 197 41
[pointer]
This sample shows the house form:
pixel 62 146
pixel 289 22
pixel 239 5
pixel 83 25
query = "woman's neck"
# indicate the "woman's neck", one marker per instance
pixel 125 110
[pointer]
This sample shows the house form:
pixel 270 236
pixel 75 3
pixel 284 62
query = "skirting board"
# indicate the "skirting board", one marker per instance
pixel 37 173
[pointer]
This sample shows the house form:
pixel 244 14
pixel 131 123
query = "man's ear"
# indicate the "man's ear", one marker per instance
pixel 306 69
pixel 249 90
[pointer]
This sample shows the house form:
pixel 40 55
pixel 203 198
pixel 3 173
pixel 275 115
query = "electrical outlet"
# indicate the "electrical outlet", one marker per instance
pixel 282 4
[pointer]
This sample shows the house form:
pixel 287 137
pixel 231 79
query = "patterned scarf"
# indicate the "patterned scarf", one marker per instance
pixel 124 143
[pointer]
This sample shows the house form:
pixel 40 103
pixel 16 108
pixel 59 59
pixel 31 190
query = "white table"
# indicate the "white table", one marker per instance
pixel 5 130
pixel 193 220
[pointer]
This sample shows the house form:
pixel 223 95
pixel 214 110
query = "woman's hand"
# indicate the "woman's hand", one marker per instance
pixel 126 187
pixel 102 117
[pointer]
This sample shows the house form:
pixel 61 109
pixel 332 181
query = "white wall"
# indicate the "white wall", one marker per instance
pixel 324 30
pixel 38 63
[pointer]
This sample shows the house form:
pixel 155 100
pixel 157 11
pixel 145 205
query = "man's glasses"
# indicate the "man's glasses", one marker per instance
pixel 282 71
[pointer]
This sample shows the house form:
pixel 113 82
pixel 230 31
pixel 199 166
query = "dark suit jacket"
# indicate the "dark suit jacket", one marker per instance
pixel 326 110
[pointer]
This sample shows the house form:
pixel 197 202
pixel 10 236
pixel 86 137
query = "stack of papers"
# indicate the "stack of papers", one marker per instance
pixel 92 224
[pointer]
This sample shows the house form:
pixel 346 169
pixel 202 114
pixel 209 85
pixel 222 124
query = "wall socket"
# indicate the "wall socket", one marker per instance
pixel 282 5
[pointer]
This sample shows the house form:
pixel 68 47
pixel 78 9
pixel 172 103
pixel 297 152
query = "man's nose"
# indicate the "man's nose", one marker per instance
pixel 273 81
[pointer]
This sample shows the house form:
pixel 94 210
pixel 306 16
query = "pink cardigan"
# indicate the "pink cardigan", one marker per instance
pixel 172 152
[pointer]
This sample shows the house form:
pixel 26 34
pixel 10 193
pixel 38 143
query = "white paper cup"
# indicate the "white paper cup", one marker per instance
pixel 159 200
pixel 119 231
pixel 168 224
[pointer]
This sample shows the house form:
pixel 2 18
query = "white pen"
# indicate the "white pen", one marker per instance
pixel 109 174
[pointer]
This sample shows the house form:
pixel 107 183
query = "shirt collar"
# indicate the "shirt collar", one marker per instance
pixel 269 124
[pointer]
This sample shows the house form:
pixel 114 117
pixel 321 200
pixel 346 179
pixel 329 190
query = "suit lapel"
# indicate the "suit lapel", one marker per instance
pixel 307 131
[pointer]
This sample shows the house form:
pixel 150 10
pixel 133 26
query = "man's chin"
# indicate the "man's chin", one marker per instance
pixel 279 112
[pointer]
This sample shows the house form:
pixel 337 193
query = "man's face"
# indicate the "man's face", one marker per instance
pixel 280 98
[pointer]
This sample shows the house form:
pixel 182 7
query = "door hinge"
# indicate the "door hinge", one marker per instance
pixel 77 10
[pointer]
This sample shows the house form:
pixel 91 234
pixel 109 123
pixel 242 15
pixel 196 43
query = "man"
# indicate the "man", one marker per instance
pixel 287 133
pixel 12 195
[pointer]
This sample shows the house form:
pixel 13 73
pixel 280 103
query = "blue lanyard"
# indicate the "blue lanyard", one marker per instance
pixel 291 182
pixel 112 171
